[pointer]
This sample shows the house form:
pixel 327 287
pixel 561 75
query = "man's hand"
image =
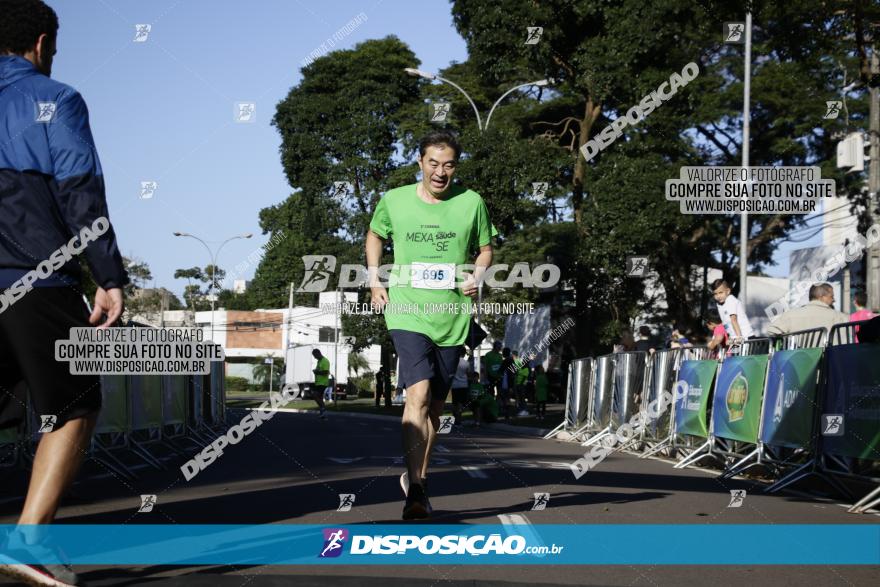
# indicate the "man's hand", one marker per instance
pixel 108 302
pixel 468 286
pixel 378 297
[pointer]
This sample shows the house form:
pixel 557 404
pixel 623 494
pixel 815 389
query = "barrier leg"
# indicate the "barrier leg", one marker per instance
pixel 597 437
pixel 866 502
pixel 696 456
pixel 554 432
pixel 110 461
pixel 742 464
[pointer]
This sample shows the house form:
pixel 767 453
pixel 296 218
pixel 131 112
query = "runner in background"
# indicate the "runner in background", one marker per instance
pixel 493 367
pixel 436 227
pixel 460 384
pixel 51 188
pixel 542 387
pixel 520 380
pixel 322 380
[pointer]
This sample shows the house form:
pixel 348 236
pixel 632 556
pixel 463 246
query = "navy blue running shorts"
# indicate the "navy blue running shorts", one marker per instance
pixel 420 358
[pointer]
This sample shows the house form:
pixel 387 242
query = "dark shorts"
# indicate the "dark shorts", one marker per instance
pixel 28 331
pixel 421 359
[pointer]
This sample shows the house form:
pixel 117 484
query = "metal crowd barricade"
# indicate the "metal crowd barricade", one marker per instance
pixel 601 398
pixel 146 416
pixel 629 389
pixel 861 415
pixel 113 428
pixel 659 379
pixel 577 399
pixel 764 454
pixel 727 443
pixel 670 442
pixel 817 465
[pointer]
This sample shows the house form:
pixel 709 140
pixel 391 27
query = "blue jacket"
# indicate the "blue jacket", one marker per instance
pixel 51 186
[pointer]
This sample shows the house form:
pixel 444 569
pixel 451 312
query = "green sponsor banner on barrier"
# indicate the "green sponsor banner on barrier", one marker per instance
pixel 790 396
pixel 853 391
pixel 690 410
pixel 736 408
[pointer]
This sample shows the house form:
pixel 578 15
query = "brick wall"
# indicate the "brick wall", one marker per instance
pixel 241 332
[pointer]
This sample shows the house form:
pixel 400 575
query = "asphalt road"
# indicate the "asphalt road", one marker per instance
pixel 293 468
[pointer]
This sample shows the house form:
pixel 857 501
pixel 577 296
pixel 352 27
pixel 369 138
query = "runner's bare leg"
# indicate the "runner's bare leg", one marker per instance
pixel 59 456
pixel 416 428
pixel 434 413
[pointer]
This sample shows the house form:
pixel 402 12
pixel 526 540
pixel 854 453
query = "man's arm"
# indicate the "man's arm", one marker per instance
pixel 778 326
pixel 484 259
pixel 81 201
pixel 378 293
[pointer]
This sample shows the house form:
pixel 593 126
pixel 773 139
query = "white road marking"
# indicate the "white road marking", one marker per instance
pixel 519 525
pixel 441 448
pixel 475 472
pixel 344 461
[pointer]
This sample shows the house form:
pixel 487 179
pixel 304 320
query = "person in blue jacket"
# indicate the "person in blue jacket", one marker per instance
pixel 53 212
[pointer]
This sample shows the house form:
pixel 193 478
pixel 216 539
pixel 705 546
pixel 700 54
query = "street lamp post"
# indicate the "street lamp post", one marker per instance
pixel 213 255
pixel 432 76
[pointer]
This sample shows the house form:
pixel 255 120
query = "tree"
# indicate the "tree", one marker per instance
pixel 605 57
pixel 199 285
pixel 263 370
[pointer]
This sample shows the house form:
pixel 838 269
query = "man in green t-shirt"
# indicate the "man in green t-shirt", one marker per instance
pixel 435 227
pixel 322 380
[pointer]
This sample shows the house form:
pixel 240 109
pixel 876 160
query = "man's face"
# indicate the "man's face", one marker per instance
pixel 721 293
pixel 828 299
pixel 438 166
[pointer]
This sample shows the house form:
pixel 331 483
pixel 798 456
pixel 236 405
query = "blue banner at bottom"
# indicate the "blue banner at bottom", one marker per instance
pixel 291 544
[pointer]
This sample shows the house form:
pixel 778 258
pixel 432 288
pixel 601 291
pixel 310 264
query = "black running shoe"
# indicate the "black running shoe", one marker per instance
pixel 417 506
pixel 53 568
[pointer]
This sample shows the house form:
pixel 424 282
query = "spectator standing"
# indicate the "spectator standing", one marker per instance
pixel 819 312
pixel 718 336
pixel 493 367
pixel 520 380
pixel 646 340
pixel 542 387
pixel 860 299
pixel 732 312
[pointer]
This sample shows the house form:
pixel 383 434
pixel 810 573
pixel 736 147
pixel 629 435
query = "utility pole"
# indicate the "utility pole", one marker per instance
pixel 744 216
pixel 872 260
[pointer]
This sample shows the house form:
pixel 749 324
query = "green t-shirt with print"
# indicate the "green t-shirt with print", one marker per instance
pixel 427 238
pixel 323 365
pixel 493 364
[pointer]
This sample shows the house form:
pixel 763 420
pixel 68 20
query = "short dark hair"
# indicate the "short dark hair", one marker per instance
pixel 718 283
pixel 316 353
pixel 713 316
pixel 440 137
pixel 817 290
pixel 645 330
pixel 22 22
pixel 860 298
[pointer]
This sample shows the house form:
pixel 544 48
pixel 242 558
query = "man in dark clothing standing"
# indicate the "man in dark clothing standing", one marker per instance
pixel 52 209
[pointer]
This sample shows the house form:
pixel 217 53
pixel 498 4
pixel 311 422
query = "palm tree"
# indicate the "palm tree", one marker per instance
pixel 262 371
pixel 357 363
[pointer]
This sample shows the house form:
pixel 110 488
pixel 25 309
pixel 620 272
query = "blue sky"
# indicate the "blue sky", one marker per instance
pixel 162 110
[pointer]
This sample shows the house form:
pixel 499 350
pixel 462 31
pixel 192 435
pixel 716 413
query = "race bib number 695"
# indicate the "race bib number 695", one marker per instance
pixel 433 275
